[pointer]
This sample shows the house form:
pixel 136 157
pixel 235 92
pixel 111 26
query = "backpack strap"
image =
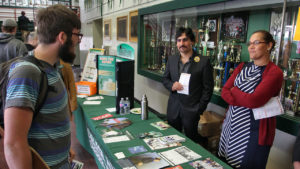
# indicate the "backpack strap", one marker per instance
pixel 43 90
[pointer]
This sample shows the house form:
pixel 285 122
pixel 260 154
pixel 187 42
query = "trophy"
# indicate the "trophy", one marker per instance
pixel 201 35
pixel 217 83
pixel 163 61
pixel 293 65
pixel 219 60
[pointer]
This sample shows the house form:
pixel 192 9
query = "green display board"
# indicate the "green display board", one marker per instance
pixel 106 75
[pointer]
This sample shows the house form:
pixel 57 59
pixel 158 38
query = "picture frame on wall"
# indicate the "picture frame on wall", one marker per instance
pixel 107 29
pixel 122 28
pixel 133 26
pixel 234 27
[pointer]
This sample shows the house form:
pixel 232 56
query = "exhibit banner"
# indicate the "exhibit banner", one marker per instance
pixel 106 75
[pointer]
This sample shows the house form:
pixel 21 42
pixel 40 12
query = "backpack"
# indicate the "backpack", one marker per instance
pixel 4 71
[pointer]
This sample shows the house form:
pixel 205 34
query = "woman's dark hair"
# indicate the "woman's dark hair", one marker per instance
pixel 188 32
pixel 267 37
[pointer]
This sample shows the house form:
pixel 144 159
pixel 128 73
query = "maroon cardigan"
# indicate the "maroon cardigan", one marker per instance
pixel 269 86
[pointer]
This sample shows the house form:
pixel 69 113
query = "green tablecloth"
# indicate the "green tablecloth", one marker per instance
pixel 89 134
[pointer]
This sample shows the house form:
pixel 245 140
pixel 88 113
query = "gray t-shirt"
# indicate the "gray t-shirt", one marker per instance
pixel 49 133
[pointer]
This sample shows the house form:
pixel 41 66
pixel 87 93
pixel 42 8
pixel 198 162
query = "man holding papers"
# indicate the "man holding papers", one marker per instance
pixel 189 78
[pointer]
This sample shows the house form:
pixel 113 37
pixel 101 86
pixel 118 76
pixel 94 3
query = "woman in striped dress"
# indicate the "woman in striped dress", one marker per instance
pixel 245 142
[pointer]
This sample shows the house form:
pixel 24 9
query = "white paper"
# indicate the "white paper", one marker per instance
pixel 179 155
pixel 81 96
pixel 120 155
pixel 113 109
pixel 92 102
pixel 272 108
pixel 116 139
pixel 94 98
pixel 184 80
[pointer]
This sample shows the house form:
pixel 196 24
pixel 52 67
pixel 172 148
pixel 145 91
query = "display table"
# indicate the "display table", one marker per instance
pixel 88 132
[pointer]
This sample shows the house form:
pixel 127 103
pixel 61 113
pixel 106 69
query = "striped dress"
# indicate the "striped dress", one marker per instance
pixel 239 125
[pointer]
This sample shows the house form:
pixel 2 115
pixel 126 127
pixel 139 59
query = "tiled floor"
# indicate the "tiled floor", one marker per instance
pixel 81 154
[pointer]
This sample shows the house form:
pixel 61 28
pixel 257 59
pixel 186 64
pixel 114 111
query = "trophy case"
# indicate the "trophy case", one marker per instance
pixel 222 30
pixel 218 36
pixel 287 56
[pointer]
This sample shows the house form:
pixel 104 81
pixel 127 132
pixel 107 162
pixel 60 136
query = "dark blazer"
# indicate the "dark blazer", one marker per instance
pixel 200 87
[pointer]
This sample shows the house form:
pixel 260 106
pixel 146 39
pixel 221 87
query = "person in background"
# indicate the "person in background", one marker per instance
pixel 246 142
pixel 31 41
pixel 48 131
pixel 296 153
pixel 184 110
pixel 10 47
pixel 23 22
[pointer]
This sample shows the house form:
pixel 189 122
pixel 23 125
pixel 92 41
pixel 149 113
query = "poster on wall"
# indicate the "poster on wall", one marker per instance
pixel 122 28
pixel 234 27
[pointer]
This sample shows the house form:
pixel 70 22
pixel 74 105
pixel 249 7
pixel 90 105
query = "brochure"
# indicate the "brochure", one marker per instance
pixel 117 123
pixel 155 144
pixel 179 155
pixel 161 125
pixel 206 164
pixel 171 139
pixel 148 161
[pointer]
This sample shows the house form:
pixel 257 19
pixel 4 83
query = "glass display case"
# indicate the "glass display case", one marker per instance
pixel 220 36
pixel 222 31
pixel 287 56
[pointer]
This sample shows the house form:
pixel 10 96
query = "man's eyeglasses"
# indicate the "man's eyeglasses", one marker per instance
pixel 80 35
pixel 255 43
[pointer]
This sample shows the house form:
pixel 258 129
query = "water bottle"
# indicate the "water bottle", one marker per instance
pixel 127 108
pixel 144 108
pixel 122 106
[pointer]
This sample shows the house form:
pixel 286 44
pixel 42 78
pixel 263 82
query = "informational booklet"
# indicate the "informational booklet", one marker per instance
pixel 148 161
pixel 117 123
pixel 116 139
pixel 171 139
pixel 161 125
pixel 179 155
pixel 112 135
pixel 155 144
pixel 206 164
